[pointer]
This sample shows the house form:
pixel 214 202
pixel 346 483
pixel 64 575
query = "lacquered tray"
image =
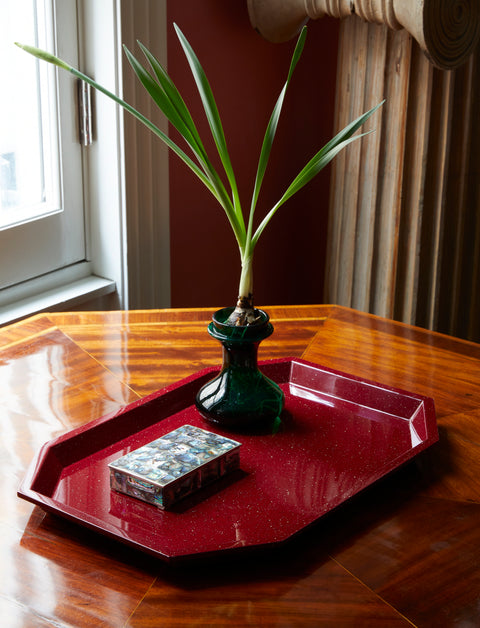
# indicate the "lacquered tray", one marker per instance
pixel 338 435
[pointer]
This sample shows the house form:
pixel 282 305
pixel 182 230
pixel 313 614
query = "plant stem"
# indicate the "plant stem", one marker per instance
pixel 244 313
pixel 245 289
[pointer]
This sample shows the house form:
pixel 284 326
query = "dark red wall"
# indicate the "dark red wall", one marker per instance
pixel 247 74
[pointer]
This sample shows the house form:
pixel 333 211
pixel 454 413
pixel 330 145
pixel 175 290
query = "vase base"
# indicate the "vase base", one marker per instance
pixel 246 425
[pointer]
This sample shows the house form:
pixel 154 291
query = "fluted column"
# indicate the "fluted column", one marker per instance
pixel 404 217
pixel 404 231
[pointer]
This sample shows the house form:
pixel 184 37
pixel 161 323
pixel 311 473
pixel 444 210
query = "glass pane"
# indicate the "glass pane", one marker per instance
pixel 25 157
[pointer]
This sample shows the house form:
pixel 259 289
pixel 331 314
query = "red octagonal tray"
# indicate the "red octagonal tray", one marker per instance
pixel 338 435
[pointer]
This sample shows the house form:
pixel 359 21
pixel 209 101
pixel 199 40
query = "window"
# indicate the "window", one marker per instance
pixel 41 206
pixel 54 250
pixel 26 175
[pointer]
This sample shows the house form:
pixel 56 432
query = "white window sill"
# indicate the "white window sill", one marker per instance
pixel 61 298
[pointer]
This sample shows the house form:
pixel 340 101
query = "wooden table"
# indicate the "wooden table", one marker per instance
pixel 405 552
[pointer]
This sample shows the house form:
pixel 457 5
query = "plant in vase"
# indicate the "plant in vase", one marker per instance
pixel 240 394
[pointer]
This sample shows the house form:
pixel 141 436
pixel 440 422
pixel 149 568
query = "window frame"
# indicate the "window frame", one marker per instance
pixel 55 238
pixel 126 255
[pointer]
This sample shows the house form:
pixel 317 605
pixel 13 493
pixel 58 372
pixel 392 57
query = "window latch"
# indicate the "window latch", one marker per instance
pixel 85 118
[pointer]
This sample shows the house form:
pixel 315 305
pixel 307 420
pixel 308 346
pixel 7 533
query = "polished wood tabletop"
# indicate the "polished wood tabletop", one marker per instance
pixel 404 552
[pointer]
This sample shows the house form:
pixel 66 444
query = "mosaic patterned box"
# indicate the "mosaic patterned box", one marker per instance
pixel 174 466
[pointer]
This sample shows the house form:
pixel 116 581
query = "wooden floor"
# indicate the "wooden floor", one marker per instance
pixel 406 552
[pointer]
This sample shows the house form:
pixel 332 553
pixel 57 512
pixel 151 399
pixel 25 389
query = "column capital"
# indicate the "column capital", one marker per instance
pixel 447 32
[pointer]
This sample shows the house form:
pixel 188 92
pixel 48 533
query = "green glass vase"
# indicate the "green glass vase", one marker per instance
pixel 240 395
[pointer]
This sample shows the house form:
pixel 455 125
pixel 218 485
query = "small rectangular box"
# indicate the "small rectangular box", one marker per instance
pixel 174 466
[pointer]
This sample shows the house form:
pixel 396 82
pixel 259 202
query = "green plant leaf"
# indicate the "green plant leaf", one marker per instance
pixel 43 55
pixel 274 118
pixel 351 128
pixel 170 102
pixel 213 117
pixel 174 96
pixel 271 132
pixel 152 127
pixel 166 105
pixel 166 96
pixel 216 187
pixel 321 159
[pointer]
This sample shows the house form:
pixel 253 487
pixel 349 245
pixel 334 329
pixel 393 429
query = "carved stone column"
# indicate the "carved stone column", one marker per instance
pixel 404 230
